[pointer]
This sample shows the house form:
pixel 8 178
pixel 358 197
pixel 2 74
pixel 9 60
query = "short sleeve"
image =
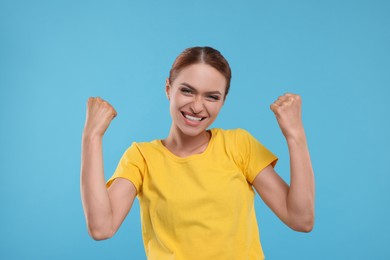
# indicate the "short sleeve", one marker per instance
pixel 131 167
pixel 253 156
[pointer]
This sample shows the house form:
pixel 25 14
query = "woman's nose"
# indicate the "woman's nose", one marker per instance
pixel 197 106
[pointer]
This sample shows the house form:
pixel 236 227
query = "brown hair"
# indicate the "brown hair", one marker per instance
pixel 205 55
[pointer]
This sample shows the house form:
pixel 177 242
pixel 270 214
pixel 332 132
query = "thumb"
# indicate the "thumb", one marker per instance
pixel 274 107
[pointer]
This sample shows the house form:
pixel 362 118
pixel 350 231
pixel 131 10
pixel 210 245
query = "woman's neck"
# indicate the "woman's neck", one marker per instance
pixel 183 145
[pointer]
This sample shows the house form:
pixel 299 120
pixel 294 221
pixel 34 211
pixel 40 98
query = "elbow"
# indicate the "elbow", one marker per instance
pixel 99 227
pixel 100 234
pixel 304 228
pixel 305 225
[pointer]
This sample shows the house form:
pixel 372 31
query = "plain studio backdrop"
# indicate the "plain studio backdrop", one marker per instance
pixel 56 54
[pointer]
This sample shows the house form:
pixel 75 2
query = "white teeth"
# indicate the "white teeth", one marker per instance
pixel 193 118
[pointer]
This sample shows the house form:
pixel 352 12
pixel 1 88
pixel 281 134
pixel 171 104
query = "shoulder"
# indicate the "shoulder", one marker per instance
pixel 146 150
pixel 143 147
pixel 238 140
pixel 231 134
pixel 234 140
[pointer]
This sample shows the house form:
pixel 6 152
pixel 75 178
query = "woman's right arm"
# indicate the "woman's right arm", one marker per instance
pixel 104 209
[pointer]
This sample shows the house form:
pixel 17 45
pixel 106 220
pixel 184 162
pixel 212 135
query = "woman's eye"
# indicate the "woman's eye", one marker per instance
pixel 186 90
pixel 213 97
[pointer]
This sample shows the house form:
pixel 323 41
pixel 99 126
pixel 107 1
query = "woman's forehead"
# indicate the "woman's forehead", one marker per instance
pixel 201 76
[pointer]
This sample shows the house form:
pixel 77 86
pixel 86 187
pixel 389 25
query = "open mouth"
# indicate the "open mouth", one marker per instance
pixel 192 118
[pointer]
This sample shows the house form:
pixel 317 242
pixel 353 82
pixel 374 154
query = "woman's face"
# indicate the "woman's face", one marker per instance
pixel 196 97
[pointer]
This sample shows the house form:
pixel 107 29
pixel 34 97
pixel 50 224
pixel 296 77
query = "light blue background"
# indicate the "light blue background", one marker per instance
pixel 55 54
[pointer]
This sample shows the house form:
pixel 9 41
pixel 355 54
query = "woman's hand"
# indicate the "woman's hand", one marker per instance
pixel 99 116
pixel 287 109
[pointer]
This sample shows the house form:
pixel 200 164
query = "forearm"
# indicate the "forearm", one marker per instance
pixel 96 202
pixel 300 199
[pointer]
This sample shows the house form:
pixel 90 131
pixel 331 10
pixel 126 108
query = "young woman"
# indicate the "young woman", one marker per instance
pixel 195 186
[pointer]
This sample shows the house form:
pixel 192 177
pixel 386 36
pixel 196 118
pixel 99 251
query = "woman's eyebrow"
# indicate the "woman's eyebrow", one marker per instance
pixel 194 89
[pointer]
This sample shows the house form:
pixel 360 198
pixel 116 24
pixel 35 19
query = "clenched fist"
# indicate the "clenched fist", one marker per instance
pixel 99 116
pixel 287 109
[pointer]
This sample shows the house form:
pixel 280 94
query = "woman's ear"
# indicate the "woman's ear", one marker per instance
pixel 167 88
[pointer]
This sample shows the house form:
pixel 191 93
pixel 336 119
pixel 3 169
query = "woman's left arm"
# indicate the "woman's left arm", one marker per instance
pixel 293 204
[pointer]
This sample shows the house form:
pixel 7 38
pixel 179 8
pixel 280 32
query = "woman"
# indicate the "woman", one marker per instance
pixel 195 186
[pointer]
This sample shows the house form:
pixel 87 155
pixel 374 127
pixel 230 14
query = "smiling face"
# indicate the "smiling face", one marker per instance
pixel 196 97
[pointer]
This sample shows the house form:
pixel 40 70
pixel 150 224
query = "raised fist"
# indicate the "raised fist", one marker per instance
pixel 99 116
pixel 287 109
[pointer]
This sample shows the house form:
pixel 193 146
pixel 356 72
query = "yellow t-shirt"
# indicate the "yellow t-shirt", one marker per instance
pixel 199 207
